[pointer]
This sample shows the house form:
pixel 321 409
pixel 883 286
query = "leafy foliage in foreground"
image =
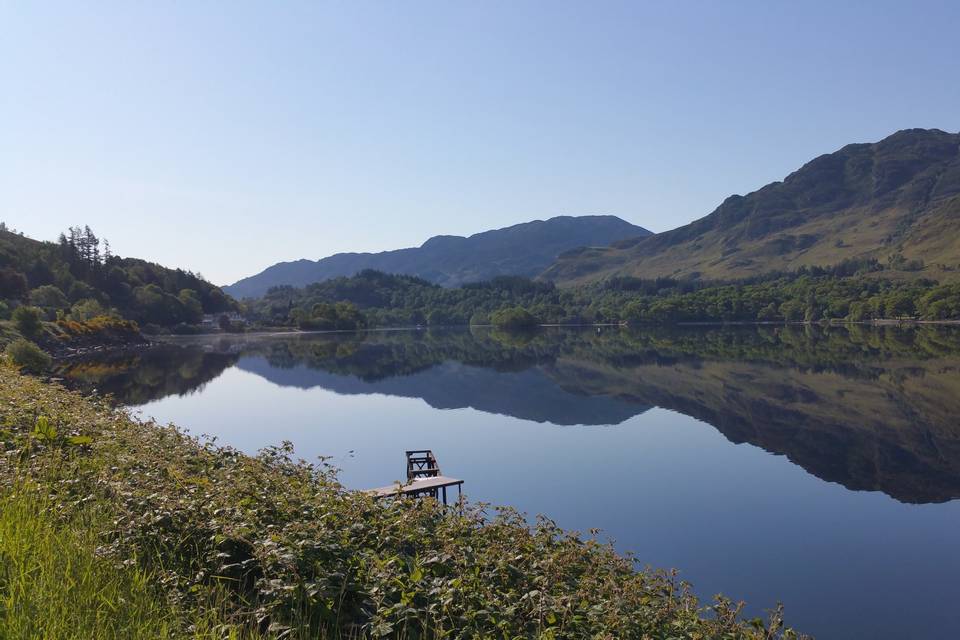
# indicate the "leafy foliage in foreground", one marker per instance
pixel 293 551
pixel 53 585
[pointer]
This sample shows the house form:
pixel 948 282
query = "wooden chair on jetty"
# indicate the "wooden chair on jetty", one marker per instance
pixel 421 463
pixel 423 479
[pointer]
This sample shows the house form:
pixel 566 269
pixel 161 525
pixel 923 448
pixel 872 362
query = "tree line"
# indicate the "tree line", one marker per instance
pixel 79 277
pixel 375 299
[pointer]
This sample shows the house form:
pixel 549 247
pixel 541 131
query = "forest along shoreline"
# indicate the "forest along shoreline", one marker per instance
pixel 74 340
pixel 33 343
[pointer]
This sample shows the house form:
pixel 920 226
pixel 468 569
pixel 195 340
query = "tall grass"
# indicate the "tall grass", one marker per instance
pixel 53 584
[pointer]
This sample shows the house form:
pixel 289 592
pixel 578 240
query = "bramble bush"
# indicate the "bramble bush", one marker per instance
pixel 285 550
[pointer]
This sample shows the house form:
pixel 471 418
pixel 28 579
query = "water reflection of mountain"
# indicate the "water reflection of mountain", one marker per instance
pixel 896 433
pixel 871 409
pixel 528 394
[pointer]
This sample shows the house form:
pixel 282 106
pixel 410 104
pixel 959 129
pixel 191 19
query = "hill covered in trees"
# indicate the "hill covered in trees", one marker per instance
pixel 78 277
pixel 520 250
pixel 852 291
pixel 896 201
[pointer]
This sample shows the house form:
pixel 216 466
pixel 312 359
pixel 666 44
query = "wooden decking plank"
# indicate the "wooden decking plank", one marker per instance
pixel 416 486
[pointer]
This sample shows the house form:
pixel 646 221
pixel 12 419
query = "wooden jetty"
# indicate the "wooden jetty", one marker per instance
pixel 423 479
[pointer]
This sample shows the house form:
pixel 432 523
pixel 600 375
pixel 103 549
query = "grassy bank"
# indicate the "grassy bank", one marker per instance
pixel 120 529
pixel 54 584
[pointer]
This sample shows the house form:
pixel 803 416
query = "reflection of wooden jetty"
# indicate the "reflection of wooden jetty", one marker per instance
pixel 423 479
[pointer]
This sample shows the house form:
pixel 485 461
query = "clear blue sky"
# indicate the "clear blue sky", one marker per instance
pixel 225 136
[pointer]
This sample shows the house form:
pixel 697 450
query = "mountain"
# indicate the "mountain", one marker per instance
pixel 522 250
pixel 897 201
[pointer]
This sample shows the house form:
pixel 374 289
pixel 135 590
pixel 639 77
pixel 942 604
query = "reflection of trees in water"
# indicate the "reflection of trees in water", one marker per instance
pixel 870 408
pixel 855 351
pixel 136 378
pixel 379 355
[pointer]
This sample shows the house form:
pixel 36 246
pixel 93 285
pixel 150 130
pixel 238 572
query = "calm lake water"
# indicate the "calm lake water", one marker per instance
pixel 817 467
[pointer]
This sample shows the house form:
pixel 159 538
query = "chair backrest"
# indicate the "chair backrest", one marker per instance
pixel 421 463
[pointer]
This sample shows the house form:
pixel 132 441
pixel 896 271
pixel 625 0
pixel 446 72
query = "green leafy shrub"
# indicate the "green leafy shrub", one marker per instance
pixel 184 329
pixel 28 321
pixel 49 297
pixel 293 552
pixel 53 583
pixel 28 356
pixel 86 309
pixel 323 316
pixel 151 329
pixel 514 318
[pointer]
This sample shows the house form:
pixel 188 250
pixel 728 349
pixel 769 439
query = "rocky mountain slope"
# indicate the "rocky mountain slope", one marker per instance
pixel 523 250
pixel 897 200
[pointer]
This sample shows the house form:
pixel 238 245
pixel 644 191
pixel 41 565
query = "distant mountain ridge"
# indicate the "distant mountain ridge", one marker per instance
pixel 897 200
pixel 523 250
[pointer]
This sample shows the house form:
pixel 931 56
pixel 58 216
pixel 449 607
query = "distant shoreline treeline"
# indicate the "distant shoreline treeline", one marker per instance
pixel 74 280
pixel 850 292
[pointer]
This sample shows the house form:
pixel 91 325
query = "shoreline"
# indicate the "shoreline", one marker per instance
pixel 830 323
pixel 265 520
pixel 884 322
pixel 69 353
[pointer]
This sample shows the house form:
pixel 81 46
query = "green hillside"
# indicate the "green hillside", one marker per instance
pixel 896 201
pixel 78 278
